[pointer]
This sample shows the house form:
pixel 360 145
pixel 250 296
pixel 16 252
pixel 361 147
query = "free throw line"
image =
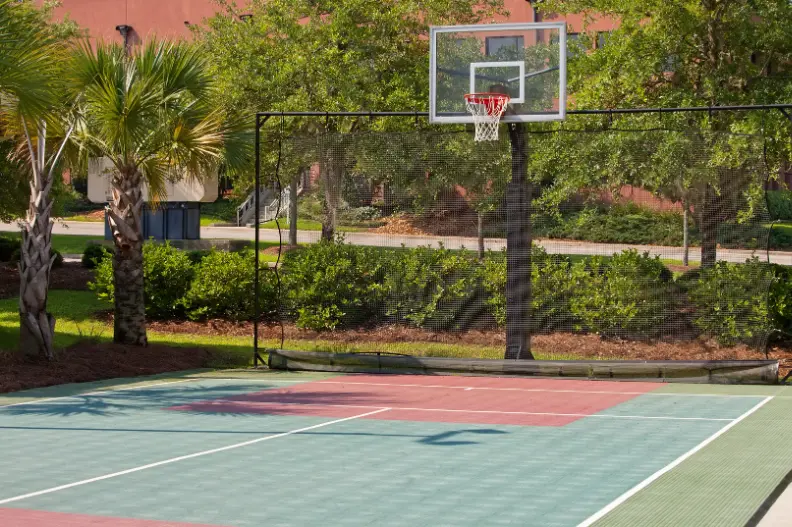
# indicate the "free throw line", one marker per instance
pixel 648 481
pixel 182 458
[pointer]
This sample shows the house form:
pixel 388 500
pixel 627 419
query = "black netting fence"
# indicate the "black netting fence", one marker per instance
pixel 644 244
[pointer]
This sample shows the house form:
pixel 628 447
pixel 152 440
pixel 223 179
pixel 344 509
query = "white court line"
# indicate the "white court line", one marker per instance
pixel 495 412
pixel 182 458
pixel 97 392
pixel 549 390
pixel 648 481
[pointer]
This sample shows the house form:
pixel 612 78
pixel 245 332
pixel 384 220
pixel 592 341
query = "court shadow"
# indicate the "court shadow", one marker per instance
pixel 444 438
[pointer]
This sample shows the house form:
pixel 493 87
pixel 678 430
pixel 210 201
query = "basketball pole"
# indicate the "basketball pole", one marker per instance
pixel 519 193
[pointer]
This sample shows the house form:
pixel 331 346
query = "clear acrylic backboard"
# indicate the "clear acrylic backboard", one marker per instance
pixel 525 61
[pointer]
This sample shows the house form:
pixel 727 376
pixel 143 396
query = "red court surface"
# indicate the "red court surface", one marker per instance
pixel 30 518
pixel 472 400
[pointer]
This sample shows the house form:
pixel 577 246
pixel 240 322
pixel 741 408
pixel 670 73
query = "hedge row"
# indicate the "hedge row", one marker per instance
pixel 214 284
pixel 334 285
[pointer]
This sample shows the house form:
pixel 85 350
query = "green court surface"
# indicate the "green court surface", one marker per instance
pixel 253 449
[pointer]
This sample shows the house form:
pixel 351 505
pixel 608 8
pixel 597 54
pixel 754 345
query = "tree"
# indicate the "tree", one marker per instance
pixel 691 53
pixel 334 55
pixel 31 111
pixel 151 113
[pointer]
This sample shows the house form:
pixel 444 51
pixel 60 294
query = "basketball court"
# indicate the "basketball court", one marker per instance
pixel 245 449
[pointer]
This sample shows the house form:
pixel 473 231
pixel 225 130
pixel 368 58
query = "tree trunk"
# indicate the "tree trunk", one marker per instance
pixel 331 172
pixel 518 250
pixel 124 214
pixel 480 232
pixel 293 210
pixel 709 228
pixel 685 238
pixel 37 326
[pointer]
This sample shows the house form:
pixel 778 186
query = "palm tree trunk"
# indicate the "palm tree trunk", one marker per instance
pixel 124 214
pixel 37 326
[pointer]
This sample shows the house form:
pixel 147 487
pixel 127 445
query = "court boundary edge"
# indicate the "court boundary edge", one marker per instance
pixel 591 520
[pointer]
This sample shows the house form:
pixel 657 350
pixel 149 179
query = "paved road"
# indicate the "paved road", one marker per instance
pixel 393 240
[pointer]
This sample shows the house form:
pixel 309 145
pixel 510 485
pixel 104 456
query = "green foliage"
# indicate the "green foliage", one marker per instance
pixel 167 272
pixel 223 287
pixel 197 256
pixel 223 208
pixel 551 289
pixel 103 284
pixel 779 204
pixel 8 247
pixel 430 287
pixel 93 254
pixel 332 284
pixel 360 214
pixel 624 295
pixel 152 110
pixel 16 192
pixel 622 223
pixel 731 301
pixel 780 298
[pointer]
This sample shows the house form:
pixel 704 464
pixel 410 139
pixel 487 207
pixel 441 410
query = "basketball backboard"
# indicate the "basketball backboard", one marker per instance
pixel 526 61
pixel 100 172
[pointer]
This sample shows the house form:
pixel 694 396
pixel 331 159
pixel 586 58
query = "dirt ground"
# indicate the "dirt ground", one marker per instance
pixel 93 362
pixel 72 275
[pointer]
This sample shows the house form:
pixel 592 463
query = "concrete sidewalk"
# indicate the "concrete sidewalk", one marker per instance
pixel 450 242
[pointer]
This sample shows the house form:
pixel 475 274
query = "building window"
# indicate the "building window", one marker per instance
pixel 504 47
pixel 602 39
pixel 574 45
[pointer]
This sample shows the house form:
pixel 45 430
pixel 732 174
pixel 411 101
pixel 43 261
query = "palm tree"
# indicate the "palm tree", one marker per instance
pixel 30 60
pixel 150 113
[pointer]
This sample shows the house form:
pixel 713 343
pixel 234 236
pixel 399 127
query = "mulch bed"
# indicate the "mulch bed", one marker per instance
pixel 93 362
pixel 71 275
pixel 563 344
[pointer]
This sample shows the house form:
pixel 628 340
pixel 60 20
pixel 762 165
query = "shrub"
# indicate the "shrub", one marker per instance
pixel 780 298
pixel 103 284
pixel 361 214
pixel 57 262
pixel 198 255
pixel 223 287
pixel 8 246
pixel 93 254
pixel 624 295
pixel 167 272
pixel 430 287
pixel 731 302
pixel 621 223
pixel 551 289
pixel 779 204
pixel 332 284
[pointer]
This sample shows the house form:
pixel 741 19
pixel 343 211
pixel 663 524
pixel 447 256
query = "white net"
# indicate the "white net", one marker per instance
pixel 486 109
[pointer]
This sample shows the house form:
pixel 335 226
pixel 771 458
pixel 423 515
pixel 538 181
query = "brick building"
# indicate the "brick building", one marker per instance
pixel 109 20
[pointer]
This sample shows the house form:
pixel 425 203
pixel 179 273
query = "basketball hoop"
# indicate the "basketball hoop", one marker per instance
pixel 486 109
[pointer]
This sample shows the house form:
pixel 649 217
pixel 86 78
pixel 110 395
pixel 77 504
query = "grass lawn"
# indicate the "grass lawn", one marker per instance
pixel 68 243
pixel 75 313
pixel 207 220
pixel 79 217
pixel 309 225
